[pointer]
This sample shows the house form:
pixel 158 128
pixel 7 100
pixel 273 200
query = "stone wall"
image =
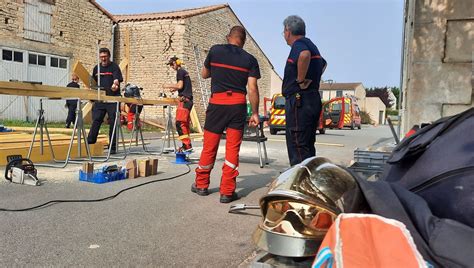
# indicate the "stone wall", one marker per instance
pixel 437 77
pixel 75 28
pixel 209 29
pixel 152 43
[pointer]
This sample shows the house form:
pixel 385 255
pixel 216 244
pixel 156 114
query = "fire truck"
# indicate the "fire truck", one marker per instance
pixel 277 120
pixel 341 112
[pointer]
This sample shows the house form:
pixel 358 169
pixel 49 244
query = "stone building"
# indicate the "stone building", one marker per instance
pixel 437 60
pixel 187 34
pixel 41 39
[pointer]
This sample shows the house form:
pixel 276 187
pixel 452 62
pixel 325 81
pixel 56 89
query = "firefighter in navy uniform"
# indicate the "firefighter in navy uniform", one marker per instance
pixel 232 70
pixel 303 71
pixel 72 104
pixel 185 95
pixel 110 78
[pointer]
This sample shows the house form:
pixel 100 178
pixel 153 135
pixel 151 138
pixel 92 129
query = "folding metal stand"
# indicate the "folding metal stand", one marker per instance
pixel 116 129
pixel 78 129
pixel 137 130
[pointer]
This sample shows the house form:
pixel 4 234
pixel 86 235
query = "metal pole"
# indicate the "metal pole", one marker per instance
pixel 98 70
pixel 41 126
pixel 79 133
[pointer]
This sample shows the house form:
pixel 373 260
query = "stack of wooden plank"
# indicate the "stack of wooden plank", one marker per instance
pixel 19 143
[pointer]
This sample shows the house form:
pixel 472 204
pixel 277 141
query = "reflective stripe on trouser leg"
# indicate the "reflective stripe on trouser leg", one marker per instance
pixel 208 157
pixel 231 164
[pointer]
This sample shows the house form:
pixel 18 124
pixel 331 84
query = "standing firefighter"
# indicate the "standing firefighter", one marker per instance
pixel 231 69
pixel 303 71
pixel 72 104
pixel 110 78
pixel 185 94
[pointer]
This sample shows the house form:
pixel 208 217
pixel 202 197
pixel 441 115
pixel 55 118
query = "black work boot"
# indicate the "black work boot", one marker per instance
pixel 229 198
pixel 199 191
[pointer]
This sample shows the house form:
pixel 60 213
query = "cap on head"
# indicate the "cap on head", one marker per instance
pixel 173 60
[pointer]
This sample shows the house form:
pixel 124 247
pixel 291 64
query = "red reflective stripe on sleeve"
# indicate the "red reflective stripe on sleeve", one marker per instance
pixel 316 57
pixel 290 61
pixel 229 67
pixel 107 73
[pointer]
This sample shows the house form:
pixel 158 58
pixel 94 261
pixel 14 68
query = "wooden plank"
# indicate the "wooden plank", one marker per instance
pixel 83 74
pixel 123 66
pixel 15 146
pixel 126 71
pixel 60 152
pixel 195 120
pixel 26 138
pixel 28 89
pixel 148 122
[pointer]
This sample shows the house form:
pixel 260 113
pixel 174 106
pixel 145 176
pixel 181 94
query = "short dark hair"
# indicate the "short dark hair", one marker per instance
pixel 104 50
pixel 239 32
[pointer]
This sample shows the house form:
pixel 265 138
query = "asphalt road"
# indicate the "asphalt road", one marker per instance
pixel 160 224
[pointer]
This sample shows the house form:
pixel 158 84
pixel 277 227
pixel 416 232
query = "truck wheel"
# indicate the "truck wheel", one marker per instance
pixel 273 131
pixel 322 131
pixel 360 125
pixel 352 125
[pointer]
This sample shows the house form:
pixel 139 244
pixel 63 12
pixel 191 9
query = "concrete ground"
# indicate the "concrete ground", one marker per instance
pixel 160 224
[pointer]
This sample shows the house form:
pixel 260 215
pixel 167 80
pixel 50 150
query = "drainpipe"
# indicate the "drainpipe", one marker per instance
pixel 112 46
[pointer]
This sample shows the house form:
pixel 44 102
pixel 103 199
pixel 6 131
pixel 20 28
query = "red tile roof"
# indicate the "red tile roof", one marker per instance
pixel 179 14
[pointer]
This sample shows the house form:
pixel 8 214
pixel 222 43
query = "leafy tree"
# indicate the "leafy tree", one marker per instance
pixel 396 92
pixel 381 92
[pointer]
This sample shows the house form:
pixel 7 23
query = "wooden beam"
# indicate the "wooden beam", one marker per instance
pixel 83 74
pixel 123 66
pixel 126 71
pixel 195 120
pixel 147 121
pixel 28 89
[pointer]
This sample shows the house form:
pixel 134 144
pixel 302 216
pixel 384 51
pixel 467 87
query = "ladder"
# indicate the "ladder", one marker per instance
pixel 203 83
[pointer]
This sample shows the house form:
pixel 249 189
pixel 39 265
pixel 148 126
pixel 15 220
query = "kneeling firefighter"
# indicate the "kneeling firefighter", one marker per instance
pixel 185 94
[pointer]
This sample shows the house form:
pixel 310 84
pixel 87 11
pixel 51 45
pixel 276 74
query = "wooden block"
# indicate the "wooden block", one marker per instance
pixel 88 167
pixel 132 169
pixel 143 168
pixel 154 166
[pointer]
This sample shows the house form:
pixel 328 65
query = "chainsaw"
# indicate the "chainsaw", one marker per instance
pixel 21 170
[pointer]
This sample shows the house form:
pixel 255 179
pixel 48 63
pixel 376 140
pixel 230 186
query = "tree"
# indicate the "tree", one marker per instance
pixel 382 93
pixel 396 92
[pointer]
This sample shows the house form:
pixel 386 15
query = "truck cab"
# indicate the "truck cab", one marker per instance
pixel 277 120
pixel 341 112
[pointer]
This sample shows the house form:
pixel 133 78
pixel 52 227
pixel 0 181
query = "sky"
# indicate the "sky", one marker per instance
pixel 360 39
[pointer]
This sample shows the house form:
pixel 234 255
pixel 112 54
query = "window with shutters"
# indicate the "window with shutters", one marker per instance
pixel 338 93
pixel 37 24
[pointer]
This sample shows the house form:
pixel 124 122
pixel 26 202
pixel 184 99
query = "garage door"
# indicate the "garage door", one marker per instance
pixel 20 65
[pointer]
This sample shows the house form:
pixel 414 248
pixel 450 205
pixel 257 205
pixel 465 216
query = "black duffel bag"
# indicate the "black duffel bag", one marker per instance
pixel 437 163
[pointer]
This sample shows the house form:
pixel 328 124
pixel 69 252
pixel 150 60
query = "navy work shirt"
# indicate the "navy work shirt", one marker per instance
pixel 315 69
pixel 73 84
pixel 230 66
pixel 187 90
pixel 107 76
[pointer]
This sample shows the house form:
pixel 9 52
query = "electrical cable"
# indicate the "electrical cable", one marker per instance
pixel 99 199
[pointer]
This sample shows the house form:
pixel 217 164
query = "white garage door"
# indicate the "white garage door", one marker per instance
pixel 30 66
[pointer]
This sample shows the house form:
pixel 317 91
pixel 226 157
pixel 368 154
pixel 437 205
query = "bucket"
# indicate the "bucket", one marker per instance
pixel 181 158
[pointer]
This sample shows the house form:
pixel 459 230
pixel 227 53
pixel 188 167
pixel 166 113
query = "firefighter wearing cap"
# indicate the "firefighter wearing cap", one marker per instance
pixel 185 95
pixel 303 71
pixel 231 69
